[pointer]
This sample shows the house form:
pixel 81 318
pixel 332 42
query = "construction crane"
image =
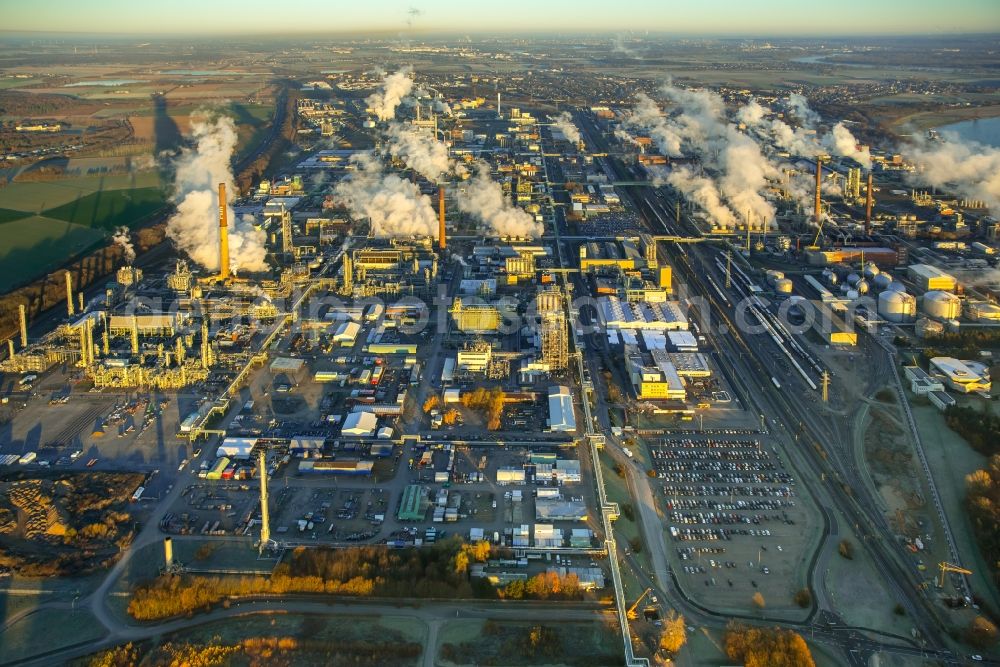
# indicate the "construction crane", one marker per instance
pixel 631 610
pixel 949 567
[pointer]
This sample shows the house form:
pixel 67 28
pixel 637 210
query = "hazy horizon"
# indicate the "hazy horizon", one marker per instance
pixel 776 18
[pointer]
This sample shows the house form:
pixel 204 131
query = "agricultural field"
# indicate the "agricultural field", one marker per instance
pixel 45 223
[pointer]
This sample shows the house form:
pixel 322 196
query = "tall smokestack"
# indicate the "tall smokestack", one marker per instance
pixel 868 206
pixel 442 237
pixel 168 553
pixel 10 348
pixel 265 518
pixel 24 325
pixel 69 294
pixel 223 235
pixel 819 182
pixel 135 335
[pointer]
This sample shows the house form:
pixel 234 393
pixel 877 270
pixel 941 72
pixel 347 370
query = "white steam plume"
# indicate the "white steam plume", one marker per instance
pixel 564 123
pixel 440 106
pixel 393 89
pixel 395 206
pixel 647 116
pixel 194 227
pixel 483 198
pixel 796 141
pixel 420 150
pixel 702 191
pixel 737 170
pixel 799 106
pixel 968 168
pixel 121 237
pixel 841 142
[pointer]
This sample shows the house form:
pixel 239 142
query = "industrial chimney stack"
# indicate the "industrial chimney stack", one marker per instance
pixel 819 183
pixel 265 518
pixel 868 206
pixel 24 325
pixel 69 293
pixel 442 238
pixel 223 235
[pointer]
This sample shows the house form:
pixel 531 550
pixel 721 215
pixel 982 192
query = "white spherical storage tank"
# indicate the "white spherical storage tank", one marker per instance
pixel 897 306
pixel 862 286
pixel 942 305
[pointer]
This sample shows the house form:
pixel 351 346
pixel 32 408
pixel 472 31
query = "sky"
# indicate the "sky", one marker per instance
pixel 707 17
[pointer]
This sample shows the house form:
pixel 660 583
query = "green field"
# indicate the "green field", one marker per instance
pixel 48 630
pixel 109 209
pixel 43 224
pixel 474 642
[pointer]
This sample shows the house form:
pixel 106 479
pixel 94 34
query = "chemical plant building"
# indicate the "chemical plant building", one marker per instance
pixel 964 377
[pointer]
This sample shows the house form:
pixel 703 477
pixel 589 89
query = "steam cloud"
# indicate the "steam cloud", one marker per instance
pixel 564 123
pixel 395 206
pixel 841 142
pixel 799 106
pixel 421 151
pixel 194 228
pixel 121 237
pixel 393 89
pixel 739 171
pixel 966 167
pixel 483 198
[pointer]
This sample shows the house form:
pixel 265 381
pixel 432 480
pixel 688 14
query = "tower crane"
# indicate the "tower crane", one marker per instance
pixel 631 610
pixel 949 567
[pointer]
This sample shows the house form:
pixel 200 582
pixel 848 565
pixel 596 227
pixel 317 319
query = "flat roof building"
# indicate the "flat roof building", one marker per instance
pixel 561 414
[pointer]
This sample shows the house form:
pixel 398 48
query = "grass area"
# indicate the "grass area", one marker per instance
pixel 291 639
pixel 45 223
pixel 858 594
pixel 950 459
pixel 625 530
pixel 386 629
pixel 479 642
pixel 36 245
pixel 109 209
pixel 206 555
pixel 48 630
pixel 9 215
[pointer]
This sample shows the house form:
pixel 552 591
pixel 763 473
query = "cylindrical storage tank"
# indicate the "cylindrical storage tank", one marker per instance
pixel 897 306
pixel 870 270
pixel 783 286
pixel 853 278
pixel 882 281
pixel 830 277
pixel 852 294
pixel 896 287
pixel 942 305
pixel 862 286
pixel 774 276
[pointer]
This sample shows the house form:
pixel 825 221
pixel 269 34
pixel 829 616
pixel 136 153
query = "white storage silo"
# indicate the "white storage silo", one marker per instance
pixel 942 305
pixel 897 306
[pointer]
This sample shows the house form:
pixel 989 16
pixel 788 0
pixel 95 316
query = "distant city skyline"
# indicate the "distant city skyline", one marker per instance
pixel 707 17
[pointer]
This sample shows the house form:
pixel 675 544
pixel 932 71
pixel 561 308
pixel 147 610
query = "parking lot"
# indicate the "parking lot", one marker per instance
pixel 735 519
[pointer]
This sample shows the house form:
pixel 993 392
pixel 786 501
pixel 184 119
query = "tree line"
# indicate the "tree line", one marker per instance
pixel 980 429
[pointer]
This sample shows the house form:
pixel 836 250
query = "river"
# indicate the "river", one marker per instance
pixel 983 130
